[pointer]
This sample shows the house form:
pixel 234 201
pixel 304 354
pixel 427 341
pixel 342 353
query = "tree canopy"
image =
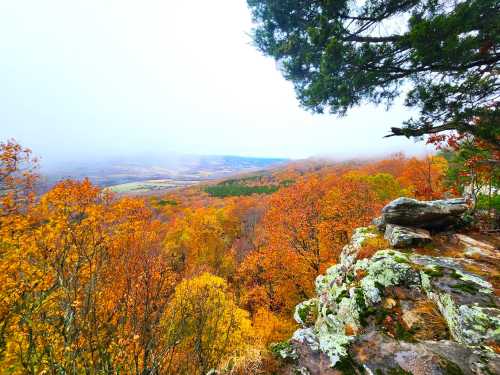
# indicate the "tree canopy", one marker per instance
pixel 341 53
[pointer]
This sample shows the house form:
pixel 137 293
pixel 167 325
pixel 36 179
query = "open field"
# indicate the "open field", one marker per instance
pixel 150 186
pixel 144 175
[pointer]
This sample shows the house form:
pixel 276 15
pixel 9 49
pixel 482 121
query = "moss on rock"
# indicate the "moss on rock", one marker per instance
pixel 351 292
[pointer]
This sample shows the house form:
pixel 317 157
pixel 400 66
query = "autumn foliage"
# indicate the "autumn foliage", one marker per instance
pixel 94 283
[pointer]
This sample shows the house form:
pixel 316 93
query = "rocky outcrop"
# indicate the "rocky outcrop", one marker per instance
pixel 423 214
pixel 379 353
pixel 398 312
pixel 401 237
pixel 475 249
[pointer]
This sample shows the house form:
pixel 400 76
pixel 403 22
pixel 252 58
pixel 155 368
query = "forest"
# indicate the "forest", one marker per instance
pixel 236 276
pixel 189 282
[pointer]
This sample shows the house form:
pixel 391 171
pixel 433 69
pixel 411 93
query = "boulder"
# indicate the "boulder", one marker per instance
pixel 350 251
pixel 433 215
pixel 380 354
pixel 469 241
pixel 403 237
pixel 401 312
pixel 379 223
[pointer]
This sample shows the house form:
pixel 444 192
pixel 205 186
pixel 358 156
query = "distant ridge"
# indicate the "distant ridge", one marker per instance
pixel 125 170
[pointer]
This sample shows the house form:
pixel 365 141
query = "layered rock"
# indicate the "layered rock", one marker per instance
pixel 397 312
pixel 437 214
pixel 401 237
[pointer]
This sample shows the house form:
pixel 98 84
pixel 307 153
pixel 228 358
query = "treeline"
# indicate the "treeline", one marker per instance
pixel 237 190
pixel 249 185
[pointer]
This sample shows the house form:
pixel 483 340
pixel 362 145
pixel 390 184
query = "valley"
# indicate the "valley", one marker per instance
pixel 153 173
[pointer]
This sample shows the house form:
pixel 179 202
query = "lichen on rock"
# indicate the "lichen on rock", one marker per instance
pixel 378 298
pixel 403 237
pixel 350 251
pixel 285 350
pixel 339 308
pixel 305 311
pixel 385 268
pixel 470 325
pixel 479 324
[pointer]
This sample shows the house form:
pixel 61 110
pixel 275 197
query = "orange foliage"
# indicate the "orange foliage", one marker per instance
pixel 90 281
pixel 300 235
pixel 85 283
pixel 425 177
pixel 17 177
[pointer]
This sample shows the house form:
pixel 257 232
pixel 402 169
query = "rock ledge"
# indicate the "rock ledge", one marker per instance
pixel 398 312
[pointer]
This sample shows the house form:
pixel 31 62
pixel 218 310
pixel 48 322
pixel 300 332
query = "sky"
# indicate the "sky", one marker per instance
pixel 101 78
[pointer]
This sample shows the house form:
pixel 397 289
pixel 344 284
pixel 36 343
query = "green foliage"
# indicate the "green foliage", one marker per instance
pixel 386 186
pixel 403 334
pixel 340 54
pixel 287 183
pixel 167 202
pixel 485 202
pixel 239 181
pixel 434 271
pixel 392 371
pixel 284 350
pixel 347 366
pixel 452 368
pixel 398 371
pixel 235 189
pixel 364 311
pixel 466 288
pixel 459 165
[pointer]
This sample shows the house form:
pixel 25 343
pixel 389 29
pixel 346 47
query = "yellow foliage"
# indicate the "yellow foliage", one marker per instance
pixel 272 328
pixel 88 282
pixel 203 326
pixel 80 276
pixel 201 241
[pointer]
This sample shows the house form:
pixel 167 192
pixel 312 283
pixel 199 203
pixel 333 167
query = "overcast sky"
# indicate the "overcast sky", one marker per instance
pixel 100 77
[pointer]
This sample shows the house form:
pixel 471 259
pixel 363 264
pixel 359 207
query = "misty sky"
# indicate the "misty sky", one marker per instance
pixel 100 78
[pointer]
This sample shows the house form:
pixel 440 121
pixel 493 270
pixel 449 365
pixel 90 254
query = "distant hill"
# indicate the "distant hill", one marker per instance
pixel 184 169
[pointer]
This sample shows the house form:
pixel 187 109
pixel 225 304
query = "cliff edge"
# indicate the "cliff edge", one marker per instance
pixel 410 295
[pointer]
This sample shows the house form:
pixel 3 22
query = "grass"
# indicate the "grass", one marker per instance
pixel 149 186
pixel 435 325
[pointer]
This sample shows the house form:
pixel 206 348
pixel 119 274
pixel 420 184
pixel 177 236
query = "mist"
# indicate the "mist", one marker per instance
pixel 101 81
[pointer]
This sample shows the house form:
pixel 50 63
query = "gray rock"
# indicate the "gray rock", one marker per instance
pixel 375 352
pixel 380 353
pixel 403 237
pixel 399 312
pixel 437 214
pixel 473 252
pixel 475 249
pixel 379 223
pixel 312 362
pixel 350 251
pixel 469 241
pixel 466 359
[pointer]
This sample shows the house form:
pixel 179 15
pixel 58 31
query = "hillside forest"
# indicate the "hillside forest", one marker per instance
pixel 200 279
